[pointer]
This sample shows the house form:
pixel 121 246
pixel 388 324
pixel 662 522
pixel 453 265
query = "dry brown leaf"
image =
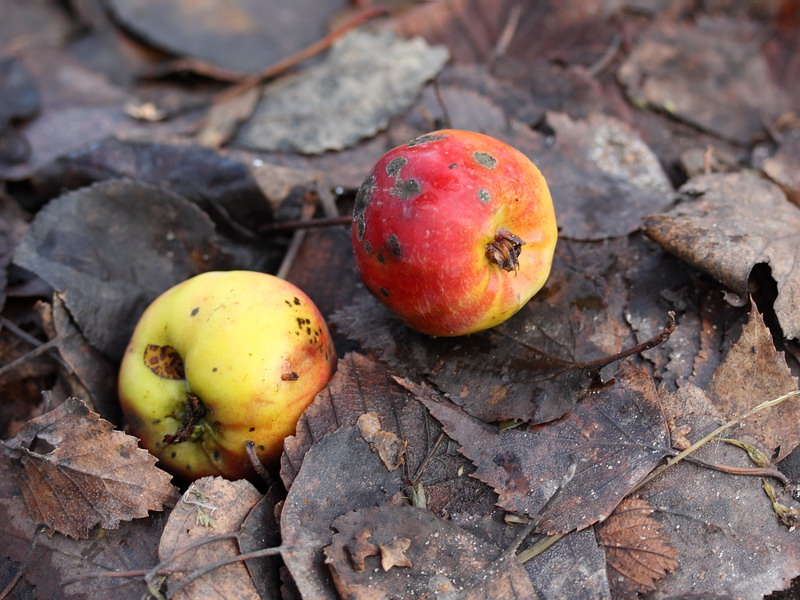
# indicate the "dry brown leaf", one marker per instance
pixel 421 556
pixel 729 224
pixel 211 506
pixel 638 553
pixel 76 472
pixel 389 447
pixel 615 435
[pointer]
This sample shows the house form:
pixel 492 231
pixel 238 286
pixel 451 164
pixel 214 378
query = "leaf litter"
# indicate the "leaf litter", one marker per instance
pixel 555 96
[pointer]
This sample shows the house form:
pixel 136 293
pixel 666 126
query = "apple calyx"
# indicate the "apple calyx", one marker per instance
pixel 504 251
pixel 192 424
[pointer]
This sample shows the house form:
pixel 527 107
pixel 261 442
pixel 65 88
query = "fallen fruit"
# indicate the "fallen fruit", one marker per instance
pixel 454 232
pixel 218 360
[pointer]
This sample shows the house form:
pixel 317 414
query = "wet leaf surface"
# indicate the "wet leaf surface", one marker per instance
pixel 408 552
pixel 727 225
pixel 614 437
pixel 336 113
pixel 74 244
pixel 76 472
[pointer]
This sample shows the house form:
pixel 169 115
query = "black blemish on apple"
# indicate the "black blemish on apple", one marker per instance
pixel 214 370
pixel 261 448
pixel 216 455
pixel 156 421
pixel 453 166
pixel 485 159
pixel 297 301
pixel 394 166
pixel 393 244
pixel 363 198
pixel 173 455
pixel 484 196
pixel 405 188
pixel 384 291
pixel 195 310
pixel 368 248
pixel 380 257
pixel 289 377
pixel 426 139
pixel 252 429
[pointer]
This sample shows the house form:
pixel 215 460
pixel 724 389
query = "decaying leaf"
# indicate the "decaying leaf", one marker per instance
pixel 75 243
pixel 239 35
pixel 389 447
pixel 339 473
pixel 729 224
pixel 602 176
pixel 76 472
pixel 615 436
pixel 752 372
pixel 363 385
pixel 533 367
pixel 718 82
pixel 421 555
pixel 638 553
pixel 228 502
pixel 221 186
pixel 365 80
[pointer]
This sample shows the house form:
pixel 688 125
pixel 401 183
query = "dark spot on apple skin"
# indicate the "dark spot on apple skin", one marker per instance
pixel 426 139
pixel 485 159
pixel 252 429
pixel 297 301
pixel 216 455
pixel 214 370
pixel 384 291
pixel 393 244
pixel 156 421
pixel 195 310
pixel 261 448
pixel 173 454
pixel 288 303
pixel 380 257
pixel 289 377
pixel 405 188
pixel 368 248
pixel 453 166
pixel 394 166
pixel 363 198
pixel 484 196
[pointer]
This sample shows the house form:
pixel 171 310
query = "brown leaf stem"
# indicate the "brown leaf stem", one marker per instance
pixel 307 223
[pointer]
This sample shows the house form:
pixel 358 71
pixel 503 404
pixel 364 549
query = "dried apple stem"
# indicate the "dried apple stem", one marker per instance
pixel 504 251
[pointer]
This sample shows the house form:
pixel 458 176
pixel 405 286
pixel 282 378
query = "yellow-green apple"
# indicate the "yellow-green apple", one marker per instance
pixel 454 231
pixel 220 359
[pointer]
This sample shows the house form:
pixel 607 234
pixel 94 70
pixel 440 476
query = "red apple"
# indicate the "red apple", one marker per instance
pixel 454 231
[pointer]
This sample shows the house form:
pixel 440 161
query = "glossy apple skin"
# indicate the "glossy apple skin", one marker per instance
pixel 254 350
pixel 424 217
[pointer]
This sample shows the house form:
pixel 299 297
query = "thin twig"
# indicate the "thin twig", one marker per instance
pixel 504 41
pixel 49 345
pixel 605 60
pixel 221 563
pixel 290 61
pixel 307 224
pixel 427 459
pixel 704 440
pixel 18 575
